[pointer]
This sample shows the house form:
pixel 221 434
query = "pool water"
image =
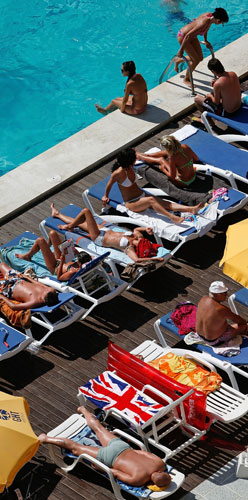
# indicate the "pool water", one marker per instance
pixel 60 57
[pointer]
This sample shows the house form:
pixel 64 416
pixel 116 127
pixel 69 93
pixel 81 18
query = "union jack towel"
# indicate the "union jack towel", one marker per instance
pixel 108 390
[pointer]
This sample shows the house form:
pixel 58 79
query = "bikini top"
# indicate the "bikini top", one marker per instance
pixel 124 241
pixel 127 182
pixel 206 29
pixel 188 164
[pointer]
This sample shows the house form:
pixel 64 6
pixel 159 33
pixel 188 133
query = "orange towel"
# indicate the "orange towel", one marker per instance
pixel 16 318
pixel 187 372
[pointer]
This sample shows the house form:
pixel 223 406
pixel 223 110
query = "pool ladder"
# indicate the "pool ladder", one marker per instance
pixel 189 67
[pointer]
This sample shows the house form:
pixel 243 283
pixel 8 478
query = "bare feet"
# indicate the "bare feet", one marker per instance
pixel 176 219
pixel 101 110
pixel 90 419
pixel 65 227
pixel 23 256
pixel 187 82
pixel 196 209
pixel 55 212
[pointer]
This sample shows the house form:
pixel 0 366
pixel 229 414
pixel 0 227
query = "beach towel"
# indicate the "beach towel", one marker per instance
pixel 18 319
pixel 184 317
pixel 186 371
pixel 37 264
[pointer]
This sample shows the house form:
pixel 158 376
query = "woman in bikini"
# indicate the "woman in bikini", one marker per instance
pixel 187 38
pixel 176 161
pixel 135 198
pixel 135 98
pixel 55 261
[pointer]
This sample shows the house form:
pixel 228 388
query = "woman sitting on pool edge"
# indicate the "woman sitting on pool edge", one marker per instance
pixel 134 198
pixel 135 87
pixel 176 161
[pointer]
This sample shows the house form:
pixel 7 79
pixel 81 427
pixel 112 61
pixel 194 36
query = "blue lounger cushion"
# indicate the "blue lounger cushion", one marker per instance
pixel 240 359
pixel 213 151
pixel 238 121
pixel 241 296
pixel 14 338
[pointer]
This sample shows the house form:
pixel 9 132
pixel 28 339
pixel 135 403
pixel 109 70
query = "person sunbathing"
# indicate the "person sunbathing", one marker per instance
pixel 135 98
pixel 127 241
pixel 176 161
pixel 134 198
pixel 134 467
pixel 30 293
pixel 55 261
pixel 213 318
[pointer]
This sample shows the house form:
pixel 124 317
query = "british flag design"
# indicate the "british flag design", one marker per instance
pixel 108 390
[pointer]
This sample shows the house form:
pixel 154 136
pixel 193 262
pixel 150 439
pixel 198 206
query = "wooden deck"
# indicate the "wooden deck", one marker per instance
pixel 50 379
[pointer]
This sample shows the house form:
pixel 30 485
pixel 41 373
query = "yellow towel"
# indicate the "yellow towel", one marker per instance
pixel 187 372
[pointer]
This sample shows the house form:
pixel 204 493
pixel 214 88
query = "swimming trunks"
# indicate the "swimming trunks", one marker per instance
pixel 8 284
pixel 225 337
pixel 127 182
pixel 136 199
pixel 209 105
pixel 99 240
pixel 108 454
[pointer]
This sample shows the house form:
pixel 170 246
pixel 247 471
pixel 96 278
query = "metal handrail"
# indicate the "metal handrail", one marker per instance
pixel 189 67
pixel 190 72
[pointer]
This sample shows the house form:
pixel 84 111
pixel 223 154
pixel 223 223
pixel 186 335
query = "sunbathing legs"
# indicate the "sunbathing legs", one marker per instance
pixel 50 258
pixel 162 207
pixel 102 434
pixel 84 220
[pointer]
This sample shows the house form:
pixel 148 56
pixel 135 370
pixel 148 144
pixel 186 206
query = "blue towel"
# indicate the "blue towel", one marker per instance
pixel 7 255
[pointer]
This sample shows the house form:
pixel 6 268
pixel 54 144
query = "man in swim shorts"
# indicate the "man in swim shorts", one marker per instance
pixel 226 97
pixel 215 322
pixel 134 467
pixel 25 290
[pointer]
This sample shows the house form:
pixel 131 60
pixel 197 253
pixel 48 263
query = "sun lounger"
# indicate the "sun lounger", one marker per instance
pixel 152 417
pixel 221 159
pixel 12 341
pixel 75 428
pixel 81 238
pixel 238 121
pixel 225 404
pixel 230 365
pixel 91 283
pixel 241 296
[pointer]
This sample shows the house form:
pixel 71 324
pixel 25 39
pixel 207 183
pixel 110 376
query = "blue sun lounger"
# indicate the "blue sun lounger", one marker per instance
pixel 230 365
pixel 238 121
pixel 113 258
pixel 91 282
pixel 12 341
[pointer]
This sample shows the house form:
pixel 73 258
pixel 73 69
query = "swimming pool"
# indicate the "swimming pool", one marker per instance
pixel 59 58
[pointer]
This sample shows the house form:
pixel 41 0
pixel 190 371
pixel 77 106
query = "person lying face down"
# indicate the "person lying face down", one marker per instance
pixel 215 322
pixel 128 242
pixel 30 293
pixel 134 467
pixel 134 198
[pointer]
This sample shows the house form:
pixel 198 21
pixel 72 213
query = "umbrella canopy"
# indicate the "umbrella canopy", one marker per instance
pixel 18 443
pixel 235 258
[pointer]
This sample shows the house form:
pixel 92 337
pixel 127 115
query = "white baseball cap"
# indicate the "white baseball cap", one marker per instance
pixel 218 287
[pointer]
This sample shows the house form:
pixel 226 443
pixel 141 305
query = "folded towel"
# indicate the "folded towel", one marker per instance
pixel 228 349
pixel 184 132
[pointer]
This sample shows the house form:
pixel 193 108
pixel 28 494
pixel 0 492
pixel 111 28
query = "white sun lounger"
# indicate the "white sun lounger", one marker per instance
pixel 238 121
pixel 75 425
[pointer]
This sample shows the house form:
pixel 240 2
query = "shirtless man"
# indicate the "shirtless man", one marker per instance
pixel 126 242
pixel 134 467
pixel 25 290
pixel 213 318
pixel 226 97
pixel 135 87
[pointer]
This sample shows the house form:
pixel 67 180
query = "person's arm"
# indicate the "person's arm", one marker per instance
pixel 169 168
pixel 151 158
pixel 122 476
pixel 131 252
pixel 216 98
pixel 59 271
pixel 234 317
pixel 138 231
pixel 22 306
pixel 112 180
pixel 193 154
pixel 126 96
pixel 208 44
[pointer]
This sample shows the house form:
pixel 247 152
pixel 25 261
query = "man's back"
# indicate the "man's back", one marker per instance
pixel 211 319
pixel 229 87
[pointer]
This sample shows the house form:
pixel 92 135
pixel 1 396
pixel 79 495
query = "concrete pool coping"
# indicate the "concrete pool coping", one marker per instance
pixel 99 142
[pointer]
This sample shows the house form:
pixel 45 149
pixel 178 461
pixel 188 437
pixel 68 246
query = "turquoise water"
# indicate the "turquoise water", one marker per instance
pixel 58 58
